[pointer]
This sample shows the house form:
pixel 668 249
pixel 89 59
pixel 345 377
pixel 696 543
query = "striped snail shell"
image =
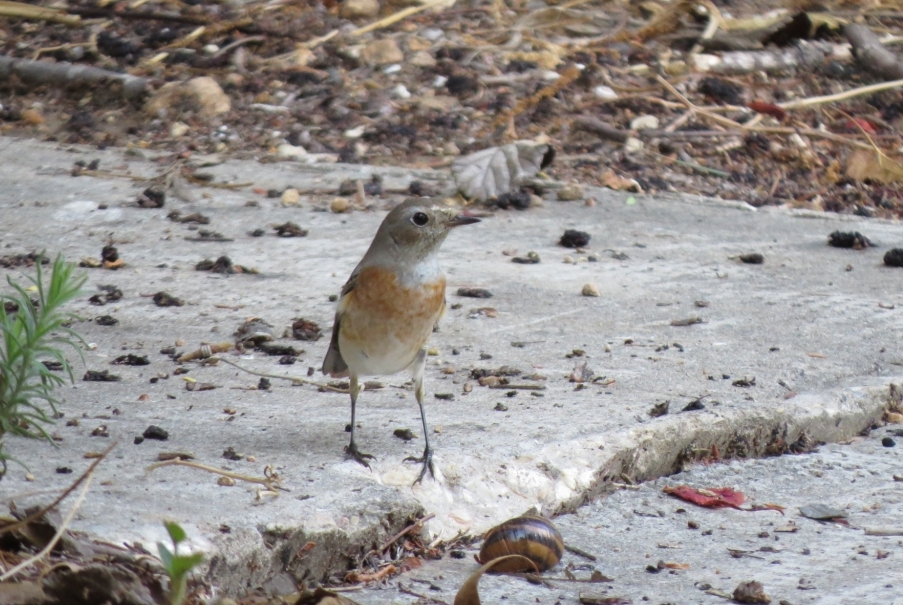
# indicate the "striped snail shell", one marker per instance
pixel 533 537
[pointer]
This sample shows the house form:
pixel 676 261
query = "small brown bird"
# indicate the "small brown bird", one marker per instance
pixel 390 305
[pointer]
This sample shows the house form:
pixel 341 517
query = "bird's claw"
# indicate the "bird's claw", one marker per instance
pixel 357 455
pixel 427 461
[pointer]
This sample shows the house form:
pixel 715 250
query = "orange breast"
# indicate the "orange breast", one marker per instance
pixel 388 322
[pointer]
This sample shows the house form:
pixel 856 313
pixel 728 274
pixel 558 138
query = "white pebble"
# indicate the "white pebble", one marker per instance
pixel 605 92
pixel 401 92
pixel 632 145
pixel 703 62
pixel 354 133
pixel 645 122
pixel 439 82
pixel 290 151
pixel 392 69
pixel 590 290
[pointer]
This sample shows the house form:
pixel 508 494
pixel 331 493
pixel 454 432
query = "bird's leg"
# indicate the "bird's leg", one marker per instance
pixel 427 458
pixel 351 449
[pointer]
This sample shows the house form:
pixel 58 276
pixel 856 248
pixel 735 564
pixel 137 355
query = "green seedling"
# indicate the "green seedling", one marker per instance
pixel 177 566
pixel 34 331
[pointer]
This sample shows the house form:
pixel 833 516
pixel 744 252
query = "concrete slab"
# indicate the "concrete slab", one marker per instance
pixel 796 559
pixel 808 317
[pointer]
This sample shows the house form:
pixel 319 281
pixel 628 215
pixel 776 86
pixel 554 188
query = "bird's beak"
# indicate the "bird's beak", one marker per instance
pixel 461 219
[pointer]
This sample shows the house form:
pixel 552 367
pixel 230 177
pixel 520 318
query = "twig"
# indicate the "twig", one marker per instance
pixel 100 13
pixel 295 379
pixel 578 551
pixel 413 593
pixel 841 96
pixel 602 129
pixel 570 74
pixel 37 13
pixel 519 387
pixel 884 531
pixel 415 526
pixel 711 27
pixel 61 497
pixel 705 170
pixel 871 54
pixel 59 532
pixel 810 132
pixel 68 75
pixel 271 483
pixel 395 17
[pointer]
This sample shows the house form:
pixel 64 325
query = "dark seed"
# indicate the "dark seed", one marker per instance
pixel 574 239
pixel 894 257
pixel 849 239
pixel 404 434
pixel 474 292
pixel 753 258
pixel 155 432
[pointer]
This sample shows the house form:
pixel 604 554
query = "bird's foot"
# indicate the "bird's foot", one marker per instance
pixel 357 455
pixel 427 461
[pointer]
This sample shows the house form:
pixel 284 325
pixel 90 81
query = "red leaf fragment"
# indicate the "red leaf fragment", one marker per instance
pixel 769 109
pixel 718 497
pixel 855 124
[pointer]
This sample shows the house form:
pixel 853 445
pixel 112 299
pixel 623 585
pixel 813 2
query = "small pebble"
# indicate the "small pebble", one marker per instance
pixel 888 442
pixel 290 197
pixel 339 205
pixel 646 122
pixel 604 92
pixel 590 290
pixel 401 92
pixel 569 193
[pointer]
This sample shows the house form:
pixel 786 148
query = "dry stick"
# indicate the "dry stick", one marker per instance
pixel 569 75
pixel 884 531
pixel 268 482
pixel 64 74
pixel 871 54
pixel 416 525
pixel 841 96
pixel 764 129
pixel 295 380
pixel 714 23
pixel 56 537
pixel 61 497
pixel 101 13
pixel 394 18
pixel 37 13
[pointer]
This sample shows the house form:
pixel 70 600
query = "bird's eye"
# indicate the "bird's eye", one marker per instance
pixel 420 219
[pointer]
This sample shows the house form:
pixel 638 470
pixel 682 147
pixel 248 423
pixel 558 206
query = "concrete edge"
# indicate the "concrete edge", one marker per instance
pixel 278 558
pixel 667 448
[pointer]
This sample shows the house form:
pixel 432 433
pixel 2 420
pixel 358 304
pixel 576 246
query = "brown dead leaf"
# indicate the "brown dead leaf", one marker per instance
pixel 865 165
pixel 468 594
pixel 619 183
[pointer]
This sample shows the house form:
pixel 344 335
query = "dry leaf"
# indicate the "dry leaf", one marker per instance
pixel 619 183
pixel 321 596
pixel 488 173
pixel 469 593
pixel 865 165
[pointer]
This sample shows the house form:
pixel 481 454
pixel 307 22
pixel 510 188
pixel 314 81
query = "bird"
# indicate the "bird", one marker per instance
pixel 391 304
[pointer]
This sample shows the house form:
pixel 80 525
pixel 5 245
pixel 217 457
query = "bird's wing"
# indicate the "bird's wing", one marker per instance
pixel 333 364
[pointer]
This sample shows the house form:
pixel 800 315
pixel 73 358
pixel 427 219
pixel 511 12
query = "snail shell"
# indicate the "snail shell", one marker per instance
pixel 533 537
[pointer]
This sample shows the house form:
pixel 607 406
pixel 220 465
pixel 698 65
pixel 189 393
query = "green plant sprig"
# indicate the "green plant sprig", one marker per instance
pixel 36 331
